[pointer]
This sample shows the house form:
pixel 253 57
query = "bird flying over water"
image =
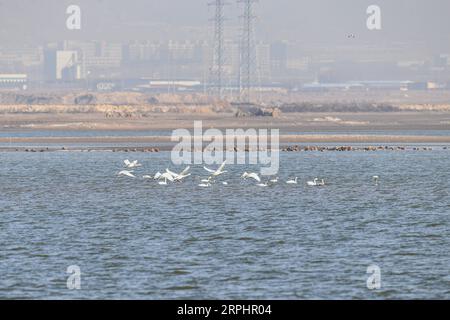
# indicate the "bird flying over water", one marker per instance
pixel 218 172
pixel 251 175
pixel 127 173
pixel 179 176
pixel 166 176
pixel 157 175
pixel 130 164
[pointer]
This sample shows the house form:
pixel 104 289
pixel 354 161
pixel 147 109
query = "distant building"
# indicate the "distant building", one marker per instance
pixel 359 85
pixel 61 65
pixel 24 56
pixel 278 57
pixel 299 64
pixel 169 59
pixel 14 81
pixel 143 51
pixel 168 86
pixel 441 61
pixel 97 58
pixel 101 56
pixel 263 64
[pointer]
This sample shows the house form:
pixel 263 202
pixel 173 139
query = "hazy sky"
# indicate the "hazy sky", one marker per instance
pixel 313 21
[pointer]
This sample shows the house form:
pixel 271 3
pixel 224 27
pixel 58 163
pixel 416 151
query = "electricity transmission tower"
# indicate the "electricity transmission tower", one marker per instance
pixel 217 68
pixel 247 50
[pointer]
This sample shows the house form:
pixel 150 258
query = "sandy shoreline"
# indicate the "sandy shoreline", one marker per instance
pixel 166 140
pixel 18 130
pixel 286 122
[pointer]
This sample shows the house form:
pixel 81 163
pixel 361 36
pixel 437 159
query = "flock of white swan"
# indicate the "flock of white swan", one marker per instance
pixel 170 176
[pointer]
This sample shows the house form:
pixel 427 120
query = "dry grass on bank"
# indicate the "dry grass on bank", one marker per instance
pixel 133 104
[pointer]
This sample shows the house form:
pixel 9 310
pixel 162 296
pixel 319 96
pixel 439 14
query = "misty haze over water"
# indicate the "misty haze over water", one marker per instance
pixel 413 21
pixel 297 42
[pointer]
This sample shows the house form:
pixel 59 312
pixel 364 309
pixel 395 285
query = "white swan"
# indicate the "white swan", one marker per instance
pixel 316 183
pixel 147 177
pixel 205 185
pixel 166 176
pixel 206 180
pixel 127 173
pixel 294 181
pixel 263 184
pixel 251 175
pixel 218 172
pixel 179 176
pixel 157 175
pixel 376 179
pixel 131 165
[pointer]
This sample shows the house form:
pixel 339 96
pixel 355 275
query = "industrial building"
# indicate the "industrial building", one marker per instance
pixel 61 65
pixel 13 81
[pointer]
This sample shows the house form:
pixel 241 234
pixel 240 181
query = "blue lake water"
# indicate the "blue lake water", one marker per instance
pixel 133 238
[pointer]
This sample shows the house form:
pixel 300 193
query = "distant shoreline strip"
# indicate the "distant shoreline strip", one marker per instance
pixel 342 138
